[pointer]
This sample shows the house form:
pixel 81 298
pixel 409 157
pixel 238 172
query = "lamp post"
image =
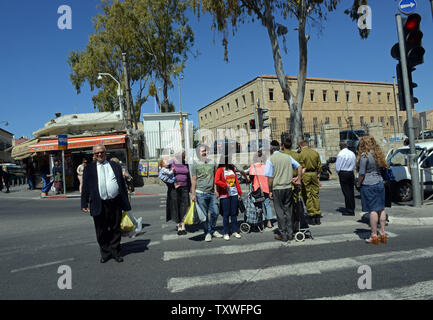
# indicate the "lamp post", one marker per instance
pixel 180 111
pixel 119 92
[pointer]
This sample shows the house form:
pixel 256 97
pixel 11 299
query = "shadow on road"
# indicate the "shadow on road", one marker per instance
pixel 137 246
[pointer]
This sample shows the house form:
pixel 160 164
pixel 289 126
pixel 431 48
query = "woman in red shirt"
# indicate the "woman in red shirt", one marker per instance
pixel 229 192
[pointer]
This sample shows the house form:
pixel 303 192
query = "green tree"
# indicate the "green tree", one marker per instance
pixel 156 38
pixel 232 13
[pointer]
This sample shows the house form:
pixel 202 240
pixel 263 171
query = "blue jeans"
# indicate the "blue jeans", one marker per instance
pixel 44 179
pixel 230 209
pixel 268 209
pixel 31 182
pixel 209 205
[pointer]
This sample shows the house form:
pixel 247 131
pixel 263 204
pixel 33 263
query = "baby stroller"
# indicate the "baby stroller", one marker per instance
pixel 301 228
pixel 253 216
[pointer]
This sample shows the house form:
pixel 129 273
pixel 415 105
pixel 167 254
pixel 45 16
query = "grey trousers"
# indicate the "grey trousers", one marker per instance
pixel 283 203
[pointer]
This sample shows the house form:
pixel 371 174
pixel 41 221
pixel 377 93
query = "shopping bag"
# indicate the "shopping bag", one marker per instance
pixel 189 217
pixel 199 214
pixel 126 224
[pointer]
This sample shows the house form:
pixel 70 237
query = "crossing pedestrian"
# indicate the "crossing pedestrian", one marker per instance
pixel 279 170
pixel 104 185
pixel 346 161
pixel 4 178
pixel 310 182
pixel 230 192
pixel 370 160
pixel 183 187
pixel 58 177
pixel 203 190
pixel 257 172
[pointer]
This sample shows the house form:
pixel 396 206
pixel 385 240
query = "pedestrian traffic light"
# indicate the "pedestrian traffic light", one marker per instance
pixel 252 124
pixel 262 118
pixel 401 98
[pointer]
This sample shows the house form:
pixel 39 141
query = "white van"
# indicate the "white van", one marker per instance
pixel 399 164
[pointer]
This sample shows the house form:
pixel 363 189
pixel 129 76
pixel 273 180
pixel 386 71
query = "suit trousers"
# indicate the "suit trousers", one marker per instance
pixel 107 227
pixel 283 202
pixel 347 183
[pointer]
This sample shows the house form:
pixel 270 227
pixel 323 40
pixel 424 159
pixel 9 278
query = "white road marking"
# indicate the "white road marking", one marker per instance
pixel 418 291
pixel 300 269
pixel 237 249
pixel 42 265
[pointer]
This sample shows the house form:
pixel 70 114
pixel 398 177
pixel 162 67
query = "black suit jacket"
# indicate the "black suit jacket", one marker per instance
pixel 90 190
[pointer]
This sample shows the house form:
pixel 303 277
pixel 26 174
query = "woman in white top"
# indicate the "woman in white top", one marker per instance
pixel 80 171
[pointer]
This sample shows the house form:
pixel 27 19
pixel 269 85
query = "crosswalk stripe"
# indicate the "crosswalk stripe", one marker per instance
pixel 419 291
pixel 301 269
pixel 236 249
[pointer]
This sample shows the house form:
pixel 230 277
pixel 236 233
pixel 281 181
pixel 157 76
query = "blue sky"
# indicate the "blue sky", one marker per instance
pixel 34 82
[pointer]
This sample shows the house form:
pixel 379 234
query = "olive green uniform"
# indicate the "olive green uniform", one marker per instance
pixel 310 181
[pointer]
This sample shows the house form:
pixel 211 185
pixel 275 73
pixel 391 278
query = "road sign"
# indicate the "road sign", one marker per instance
pixel 63 142
pixel 407 6
pixel 416 127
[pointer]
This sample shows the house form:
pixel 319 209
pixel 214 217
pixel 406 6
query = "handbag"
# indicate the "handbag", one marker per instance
pixel 126 224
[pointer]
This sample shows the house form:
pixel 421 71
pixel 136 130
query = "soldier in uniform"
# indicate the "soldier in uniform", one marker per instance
pixel 310 181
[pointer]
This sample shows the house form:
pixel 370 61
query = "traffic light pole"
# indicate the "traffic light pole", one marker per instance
pixel 413 161
pixel 257 123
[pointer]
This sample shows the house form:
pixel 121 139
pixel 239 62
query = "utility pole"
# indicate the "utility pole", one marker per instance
pixel 256 120
pixel 413 161
pixel 130 111
pixel 180 111
pixel 396 107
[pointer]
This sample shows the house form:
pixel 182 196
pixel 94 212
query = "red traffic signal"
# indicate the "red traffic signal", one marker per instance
pixel 412 22
pixel 252 124
pixel 413 37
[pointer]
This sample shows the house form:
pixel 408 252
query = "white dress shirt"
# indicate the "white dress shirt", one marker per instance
pixel 346 161
pixel 107 183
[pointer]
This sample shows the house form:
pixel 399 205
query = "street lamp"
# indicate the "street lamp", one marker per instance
pixel 180 111
pixel 119 91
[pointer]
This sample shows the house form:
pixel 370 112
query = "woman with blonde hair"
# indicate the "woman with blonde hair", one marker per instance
pixel 371 160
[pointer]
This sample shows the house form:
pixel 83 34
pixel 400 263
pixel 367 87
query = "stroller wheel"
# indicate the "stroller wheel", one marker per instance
pixel 299 236
pixel 245 227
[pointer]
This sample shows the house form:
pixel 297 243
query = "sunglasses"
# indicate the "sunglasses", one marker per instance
pixel 101 152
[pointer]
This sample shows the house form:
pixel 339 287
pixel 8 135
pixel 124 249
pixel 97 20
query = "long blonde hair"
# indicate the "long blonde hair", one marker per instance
pixel 368 144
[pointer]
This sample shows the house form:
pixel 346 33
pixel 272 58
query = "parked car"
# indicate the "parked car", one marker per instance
pixel 399 164
pixel 351 137
pixel 232 146
pixel 426 134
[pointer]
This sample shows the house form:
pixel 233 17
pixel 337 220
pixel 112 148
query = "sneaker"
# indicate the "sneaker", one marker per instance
pixel 226 237
pixel 216 234
pixel 208 238
pixel 237 235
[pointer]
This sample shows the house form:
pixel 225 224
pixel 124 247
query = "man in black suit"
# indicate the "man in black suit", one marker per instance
pixel 105 189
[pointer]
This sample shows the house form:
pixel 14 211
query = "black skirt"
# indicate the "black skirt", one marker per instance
pixel 177 203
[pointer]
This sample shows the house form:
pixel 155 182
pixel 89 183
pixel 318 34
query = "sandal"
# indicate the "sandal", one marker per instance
pixel 372 240
pixel 383 238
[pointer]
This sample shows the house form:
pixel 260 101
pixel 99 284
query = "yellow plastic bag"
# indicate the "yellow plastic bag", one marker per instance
pixel 126 224
pixel 189 217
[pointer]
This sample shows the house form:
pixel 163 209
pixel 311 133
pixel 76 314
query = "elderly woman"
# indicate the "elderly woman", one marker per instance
pixel 80 171
pixel 370 160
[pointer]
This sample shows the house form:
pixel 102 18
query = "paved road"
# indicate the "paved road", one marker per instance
pixel 39 236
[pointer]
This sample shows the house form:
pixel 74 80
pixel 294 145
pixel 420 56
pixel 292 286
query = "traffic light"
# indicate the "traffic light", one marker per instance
pixel 414 53
pixel 262 118
pixel 252 124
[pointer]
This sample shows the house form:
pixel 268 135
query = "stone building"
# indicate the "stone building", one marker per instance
pixel 344 103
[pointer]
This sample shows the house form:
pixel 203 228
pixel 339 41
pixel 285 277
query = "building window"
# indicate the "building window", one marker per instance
pixel 388 97
pixel 350 120
pixel 391 120
pixel 339 121
pixel 347 96
pixel 371 119
pixel 336 96
pixel 324 96
pixel 361 121
pixel 271 94
pixel 210 116
pixel 369 96
pixel 315 122
pixel 228 107
pixel 327 120
pixel 244 100
pixel 216 116
pixel 222 111
pixel 237 104
pixel 358 94
pixel 311 95
pixel 252 97
pixel 379 97
pixel 274 124
pixel 382 120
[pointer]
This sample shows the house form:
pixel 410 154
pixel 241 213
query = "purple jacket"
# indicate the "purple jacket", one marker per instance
pixel 181 174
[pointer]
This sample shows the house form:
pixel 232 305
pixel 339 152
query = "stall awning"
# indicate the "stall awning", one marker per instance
pixel 75 143
pixel 23 151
